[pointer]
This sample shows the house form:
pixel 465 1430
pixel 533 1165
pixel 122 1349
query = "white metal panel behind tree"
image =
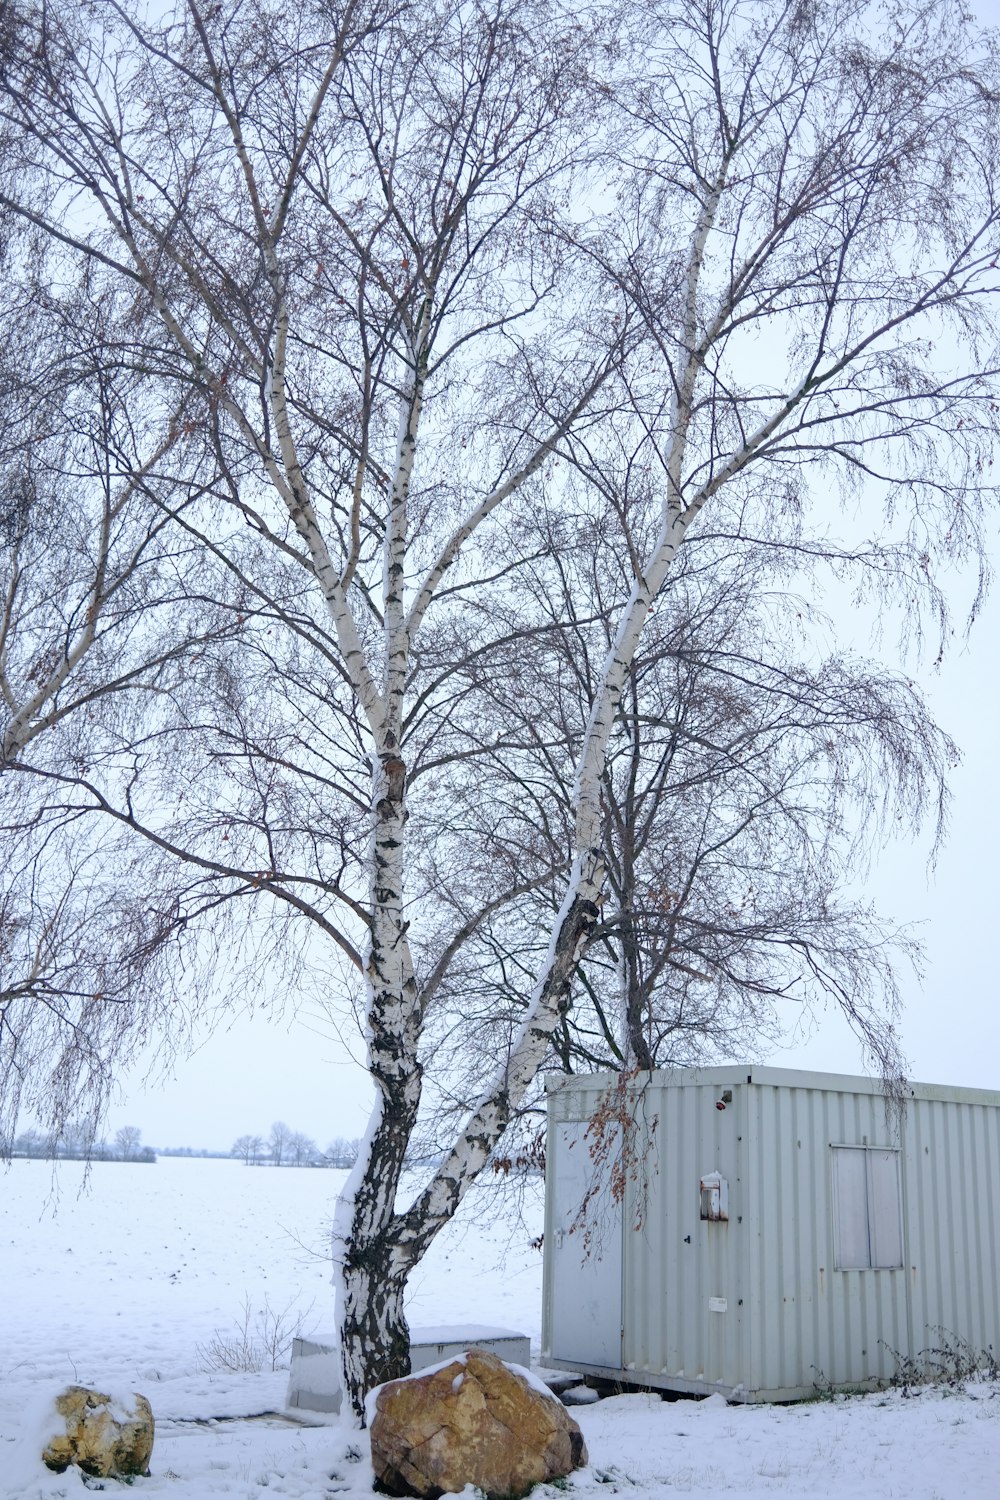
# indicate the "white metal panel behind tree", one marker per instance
pixel 586 1254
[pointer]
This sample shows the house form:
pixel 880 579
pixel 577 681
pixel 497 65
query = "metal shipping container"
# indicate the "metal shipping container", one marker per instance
pixel 766 1233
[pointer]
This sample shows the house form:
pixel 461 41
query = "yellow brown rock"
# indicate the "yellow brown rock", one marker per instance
pixel 473 1421
pixel 105 1437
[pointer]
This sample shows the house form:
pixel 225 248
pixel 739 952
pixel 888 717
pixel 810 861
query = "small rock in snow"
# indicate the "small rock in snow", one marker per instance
pixel 578 1395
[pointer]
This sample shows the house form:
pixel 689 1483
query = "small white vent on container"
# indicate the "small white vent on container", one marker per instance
pixel 714 1190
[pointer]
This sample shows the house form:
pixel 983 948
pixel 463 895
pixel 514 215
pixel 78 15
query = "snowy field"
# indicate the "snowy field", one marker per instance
pixel 133 1282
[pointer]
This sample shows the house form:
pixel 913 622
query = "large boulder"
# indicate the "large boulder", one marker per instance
pixel 474 1421
pixel 108 1437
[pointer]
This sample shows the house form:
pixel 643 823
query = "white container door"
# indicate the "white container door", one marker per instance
pixel 586 1263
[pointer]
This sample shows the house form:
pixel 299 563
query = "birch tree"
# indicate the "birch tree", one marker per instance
pixel 401 271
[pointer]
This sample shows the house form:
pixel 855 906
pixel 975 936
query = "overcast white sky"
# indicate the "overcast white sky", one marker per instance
pixel 951 1025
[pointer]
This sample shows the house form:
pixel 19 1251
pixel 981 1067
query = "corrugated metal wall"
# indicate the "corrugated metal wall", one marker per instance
pixel 792 1321
pixel 951 1193
pixel 677 1268
pixel 682 1266
pixel 813 1325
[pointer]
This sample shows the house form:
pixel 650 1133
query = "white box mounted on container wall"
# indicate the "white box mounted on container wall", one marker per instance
pixel 714 1191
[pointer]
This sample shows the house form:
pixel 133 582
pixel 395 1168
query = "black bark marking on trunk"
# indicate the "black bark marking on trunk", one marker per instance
pixel 373 1320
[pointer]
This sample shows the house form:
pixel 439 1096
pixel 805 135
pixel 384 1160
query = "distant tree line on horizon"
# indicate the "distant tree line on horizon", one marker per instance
pixel 285 1147
pixel 78 1141
pixel 202 1153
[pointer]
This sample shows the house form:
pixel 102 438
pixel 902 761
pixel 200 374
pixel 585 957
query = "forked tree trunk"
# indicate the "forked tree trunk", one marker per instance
pixel 377 1248
pixel 370 1232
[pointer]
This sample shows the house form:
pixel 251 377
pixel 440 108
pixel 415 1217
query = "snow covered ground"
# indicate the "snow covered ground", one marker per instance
pixel 132 1281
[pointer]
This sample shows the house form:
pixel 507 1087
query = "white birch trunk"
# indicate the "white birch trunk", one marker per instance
pixel 372 1270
